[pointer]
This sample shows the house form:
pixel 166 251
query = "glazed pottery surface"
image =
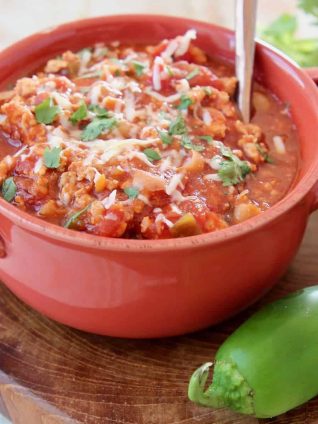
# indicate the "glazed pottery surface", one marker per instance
pixel 155 288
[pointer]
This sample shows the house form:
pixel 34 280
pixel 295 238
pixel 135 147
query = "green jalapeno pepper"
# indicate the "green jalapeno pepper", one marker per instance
pixel 269 365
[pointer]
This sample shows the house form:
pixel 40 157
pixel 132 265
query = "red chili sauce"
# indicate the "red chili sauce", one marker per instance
pixel 142 142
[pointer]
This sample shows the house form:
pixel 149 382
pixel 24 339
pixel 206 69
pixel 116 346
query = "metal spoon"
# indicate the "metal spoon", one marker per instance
pixel 245 48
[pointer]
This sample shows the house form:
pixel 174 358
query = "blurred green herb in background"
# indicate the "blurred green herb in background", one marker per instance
pixel 282 33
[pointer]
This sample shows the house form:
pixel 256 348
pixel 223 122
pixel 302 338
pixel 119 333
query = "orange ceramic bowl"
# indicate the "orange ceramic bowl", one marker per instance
pixel 154 288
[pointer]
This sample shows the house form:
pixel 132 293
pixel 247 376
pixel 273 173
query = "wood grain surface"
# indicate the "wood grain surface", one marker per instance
pixel 53 374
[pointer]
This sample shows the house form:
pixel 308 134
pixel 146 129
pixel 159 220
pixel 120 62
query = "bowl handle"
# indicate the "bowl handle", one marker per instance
pixel 313 73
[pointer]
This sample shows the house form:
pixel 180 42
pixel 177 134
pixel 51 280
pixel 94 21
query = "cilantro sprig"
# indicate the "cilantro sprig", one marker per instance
pixel 46 111
pixel 233 170
pixel 79 114
pixel 102 122
pixel 178 127
pixel 139 68
pixel 100 112
pixel 152 154
pixel 165 137
pixel 282 33
pixel 185 102
pixel 97 127
pixel 187 144
pixel 264 153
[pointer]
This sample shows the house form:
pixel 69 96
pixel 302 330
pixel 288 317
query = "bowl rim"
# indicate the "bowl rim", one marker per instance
pixel 82 239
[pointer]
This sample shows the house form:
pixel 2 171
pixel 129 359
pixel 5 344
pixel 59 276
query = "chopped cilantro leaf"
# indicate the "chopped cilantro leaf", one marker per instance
pixel 229 173
pixel 100 112
pixel 51 158
pixel 139 68
pixel 193 74
pixel 9 189
pixel 46 112
pixel 79 114
pixel 187 144
pixel 178 126
pixel 73 218
pixel 186 141
pixel 269 159
pixel 245 169
pixel 165 137
pixel 185 102
pixel 264 154
pixel 233 170
pixel 207 138
pixel 97 127
pixel 152 154
pixel 132 192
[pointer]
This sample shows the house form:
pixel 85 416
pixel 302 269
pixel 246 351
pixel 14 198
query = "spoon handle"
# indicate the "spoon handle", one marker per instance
pixel 245 48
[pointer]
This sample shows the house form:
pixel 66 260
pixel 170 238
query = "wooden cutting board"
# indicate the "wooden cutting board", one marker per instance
pixel 51 374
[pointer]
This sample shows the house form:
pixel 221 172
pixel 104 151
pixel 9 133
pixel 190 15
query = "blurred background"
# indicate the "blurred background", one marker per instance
pixel 19 18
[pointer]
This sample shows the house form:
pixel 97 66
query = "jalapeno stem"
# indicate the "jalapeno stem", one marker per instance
pixel 228 388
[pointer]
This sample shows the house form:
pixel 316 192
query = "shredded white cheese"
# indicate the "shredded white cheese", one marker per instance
pixel 161 218
pixel 99 150
pixel 212 177
pixel 19 152
pixel 61 100
pixel 144 199
pixel 215 162
pixel 168 99
pixel 130 108
pixel 184 42
pixel 109 200
pixel 85 58
pixel 179 46
pixel 175 209
pixel 183 86
pixel 169 50
pixel 165 164
pixel 156 77
pixel 141 156
pixel 38 165
pixel 279 144
pixel 178 197
pixel 173 183
pixel 207 119
pixel 242 194
pixel 97 175
pixel 111 216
